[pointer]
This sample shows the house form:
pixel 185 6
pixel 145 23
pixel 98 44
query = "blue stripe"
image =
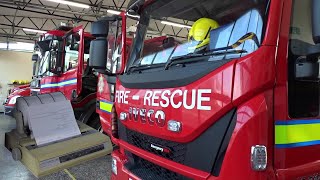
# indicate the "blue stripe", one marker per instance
pixel 105 101
pixel 57 86
pixel 293 122
pixel 61 81
pixel 105 111
pixel 293 145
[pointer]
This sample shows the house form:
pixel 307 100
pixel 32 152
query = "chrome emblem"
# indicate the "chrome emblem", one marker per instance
pixel 150 116
pixel 143 115
pixel 160 117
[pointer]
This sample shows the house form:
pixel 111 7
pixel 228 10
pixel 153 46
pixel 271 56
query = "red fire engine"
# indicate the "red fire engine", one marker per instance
pixel 106 82
pixel 245 107
pixel 61 65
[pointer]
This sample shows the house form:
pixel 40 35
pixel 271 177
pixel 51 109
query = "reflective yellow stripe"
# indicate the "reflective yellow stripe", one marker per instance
pixel 106 106
pixel 304 133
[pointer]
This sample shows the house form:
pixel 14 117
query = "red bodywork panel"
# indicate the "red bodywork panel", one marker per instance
pixel 19 87
pixel 194 121
pixel 65 83
pixel 18 91
pixel 103 94
pixel 250 115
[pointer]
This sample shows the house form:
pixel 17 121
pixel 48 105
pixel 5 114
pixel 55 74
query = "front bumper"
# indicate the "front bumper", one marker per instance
pixel 122 172
pixel 8 110
pixel 141 169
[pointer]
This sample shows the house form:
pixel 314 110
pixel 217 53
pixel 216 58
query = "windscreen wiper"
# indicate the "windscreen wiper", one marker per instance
pixel 186 58
pixel 142 67
pixel 213 52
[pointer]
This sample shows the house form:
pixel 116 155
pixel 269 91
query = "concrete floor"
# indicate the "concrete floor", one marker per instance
pixel 13 170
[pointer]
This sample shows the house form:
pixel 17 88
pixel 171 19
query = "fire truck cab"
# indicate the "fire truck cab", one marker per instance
pixel 245 108
pixel 61 64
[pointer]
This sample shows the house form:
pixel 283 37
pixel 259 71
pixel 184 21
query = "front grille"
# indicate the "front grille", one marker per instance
pixel 149 171
pixel 177 150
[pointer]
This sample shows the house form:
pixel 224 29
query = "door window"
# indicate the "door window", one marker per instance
pixel 303 62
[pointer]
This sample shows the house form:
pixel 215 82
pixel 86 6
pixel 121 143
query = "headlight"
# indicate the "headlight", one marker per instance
pixel 114 166
pixel 13 100
pixel 174 126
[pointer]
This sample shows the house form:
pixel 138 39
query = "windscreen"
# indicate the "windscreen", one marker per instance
pixel 178 29
pixel 47 57
pixel 72 51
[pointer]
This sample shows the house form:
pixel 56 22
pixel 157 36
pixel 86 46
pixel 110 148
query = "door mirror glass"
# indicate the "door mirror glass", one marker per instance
pixel 53 67
pixel 43 46
pixel 99 46
pixel 35 57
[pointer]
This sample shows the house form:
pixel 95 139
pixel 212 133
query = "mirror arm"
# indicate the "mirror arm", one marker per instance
pixel 105 72
pixel 67 34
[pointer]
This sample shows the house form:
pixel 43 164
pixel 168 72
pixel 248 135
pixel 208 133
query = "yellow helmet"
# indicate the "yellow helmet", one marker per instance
pixel 199 34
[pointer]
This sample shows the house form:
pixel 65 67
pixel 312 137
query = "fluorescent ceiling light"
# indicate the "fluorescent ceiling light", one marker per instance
pixel 24 43
pixel 176 24
pixel 111 11
pixel 75 4
pixel 34 30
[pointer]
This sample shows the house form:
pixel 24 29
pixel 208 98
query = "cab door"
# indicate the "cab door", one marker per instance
pixel 297 92
pixel 70 81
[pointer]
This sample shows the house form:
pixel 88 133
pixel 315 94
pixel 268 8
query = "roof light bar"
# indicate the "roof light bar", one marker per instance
pixel 34 30
pixel 75 4
pixel 176 24
pixel 111 11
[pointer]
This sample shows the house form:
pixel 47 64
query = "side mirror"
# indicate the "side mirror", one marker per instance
pixel 74 46
pixel 134 7
pixel 54 63
pixel 99 46
pixel 43 45
pixel 35 57
pixel 316 21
